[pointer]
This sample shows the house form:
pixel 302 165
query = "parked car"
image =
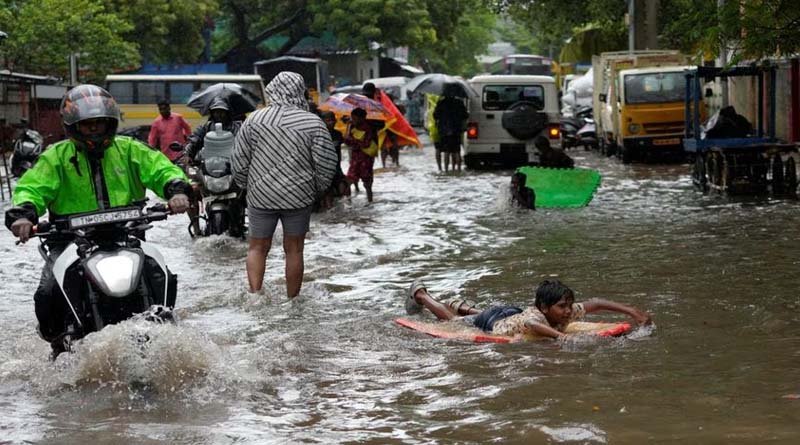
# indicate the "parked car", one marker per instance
pixel 510 112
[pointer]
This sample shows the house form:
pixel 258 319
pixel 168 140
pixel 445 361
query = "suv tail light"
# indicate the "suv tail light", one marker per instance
pixel 472 130
pixel 553 132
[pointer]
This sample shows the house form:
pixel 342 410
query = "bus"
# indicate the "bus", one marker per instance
pixel 522 64
pixel 138 95
pixel 314 72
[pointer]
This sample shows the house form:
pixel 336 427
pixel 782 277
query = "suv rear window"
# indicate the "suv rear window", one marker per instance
pixel 500 97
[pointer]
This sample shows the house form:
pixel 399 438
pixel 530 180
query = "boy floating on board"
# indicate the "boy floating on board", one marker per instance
pixel 554 308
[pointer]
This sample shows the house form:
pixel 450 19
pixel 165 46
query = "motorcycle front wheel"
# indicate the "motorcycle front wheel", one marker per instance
pixel 217 223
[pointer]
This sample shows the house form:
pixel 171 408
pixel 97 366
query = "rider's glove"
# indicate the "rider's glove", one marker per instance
pixel 22 229
pixel 179 203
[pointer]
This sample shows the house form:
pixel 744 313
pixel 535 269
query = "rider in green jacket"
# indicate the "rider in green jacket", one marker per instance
pixel 93 170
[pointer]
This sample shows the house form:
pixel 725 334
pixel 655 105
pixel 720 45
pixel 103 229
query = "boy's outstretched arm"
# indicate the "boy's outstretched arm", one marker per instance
pixel 599 304
pixel 543 330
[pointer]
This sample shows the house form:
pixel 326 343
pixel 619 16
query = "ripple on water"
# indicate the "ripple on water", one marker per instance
pixel 575 433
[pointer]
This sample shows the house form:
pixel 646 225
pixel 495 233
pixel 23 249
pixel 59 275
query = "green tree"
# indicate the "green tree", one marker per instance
pixel 43 33
pixel 356 23
pixel 552 22
pixel 749 29
pixel 463 29
pixel 166 31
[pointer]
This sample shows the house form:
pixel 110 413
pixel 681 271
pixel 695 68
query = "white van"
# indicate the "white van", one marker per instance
pixel 508 114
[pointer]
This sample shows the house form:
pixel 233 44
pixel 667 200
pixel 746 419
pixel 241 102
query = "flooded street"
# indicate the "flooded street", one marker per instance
pixel 720 277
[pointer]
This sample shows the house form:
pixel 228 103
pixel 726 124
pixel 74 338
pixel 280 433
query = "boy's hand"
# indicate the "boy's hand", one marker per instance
pixel 642 318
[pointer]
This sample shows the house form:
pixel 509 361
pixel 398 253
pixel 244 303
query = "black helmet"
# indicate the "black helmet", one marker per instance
pixel 89 102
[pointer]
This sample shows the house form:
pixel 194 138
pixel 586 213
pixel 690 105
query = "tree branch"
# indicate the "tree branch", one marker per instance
pixel 272 30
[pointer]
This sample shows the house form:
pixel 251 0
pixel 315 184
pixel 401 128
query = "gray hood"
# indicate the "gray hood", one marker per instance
pixel 287 89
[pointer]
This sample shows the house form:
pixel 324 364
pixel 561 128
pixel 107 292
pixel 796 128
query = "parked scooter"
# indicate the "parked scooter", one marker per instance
pixel 222 201
pixel 107 273
pixel 571 125
pixel 587 135
pixel 27 148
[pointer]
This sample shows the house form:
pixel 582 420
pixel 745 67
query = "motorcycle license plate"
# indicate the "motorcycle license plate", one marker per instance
pixel 113 216
pixel 212 198
pixel 670 141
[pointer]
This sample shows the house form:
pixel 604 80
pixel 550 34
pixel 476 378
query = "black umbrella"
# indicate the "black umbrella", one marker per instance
pixel 436 84
pixel 240 100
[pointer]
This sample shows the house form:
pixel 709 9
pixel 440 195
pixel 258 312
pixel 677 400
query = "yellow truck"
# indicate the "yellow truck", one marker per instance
pixel 638 103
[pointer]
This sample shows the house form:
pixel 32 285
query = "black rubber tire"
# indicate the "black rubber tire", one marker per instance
pixel 626 154
pixel 523 120
pixel 217 223
pixel 790 175
pixel 471 163
pixel 777 174
pixel 699 172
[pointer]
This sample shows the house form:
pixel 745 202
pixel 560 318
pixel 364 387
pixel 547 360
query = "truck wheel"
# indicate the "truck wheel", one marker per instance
pixel 471 163
pixel 611 149
pixel 626 154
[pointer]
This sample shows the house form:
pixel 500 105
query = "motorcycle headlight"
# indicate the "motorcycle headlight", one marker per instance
pixel 634 128
pixel 115 273
pixel 217 166
pixel 217 185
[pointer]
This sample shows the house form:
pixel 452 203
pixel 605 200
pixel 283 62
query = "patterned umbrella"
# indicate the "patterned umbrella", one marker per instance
pixel 344 103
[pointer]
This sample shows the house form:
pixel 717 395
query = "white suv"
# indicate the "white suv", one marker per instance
pixel 506 117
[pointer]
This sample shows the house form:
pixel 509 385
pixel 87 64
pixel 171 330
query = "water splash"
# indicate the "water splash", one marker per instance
pixel 136 354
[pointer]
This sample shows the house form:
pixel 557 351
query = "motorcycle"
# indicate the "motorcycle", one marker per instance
pixel 222 201
pixel 106 272
pixel 27 148
pixel 570 126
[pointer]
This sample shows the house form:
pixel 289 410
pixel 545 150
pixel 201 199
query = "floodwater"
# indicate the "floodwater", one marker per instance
pixel 719 275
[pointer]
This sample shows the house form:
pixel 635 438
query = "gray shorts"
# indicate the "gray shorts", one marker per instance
pixel 263 222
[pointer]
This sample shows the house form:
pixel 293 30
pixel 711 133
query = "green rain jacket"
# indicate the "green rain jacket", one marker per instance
pixel 65 180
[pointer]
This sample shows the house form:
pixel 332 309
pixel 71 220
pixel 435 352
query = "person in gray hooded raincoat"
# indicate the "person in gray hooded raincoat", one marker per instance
pixel 283 155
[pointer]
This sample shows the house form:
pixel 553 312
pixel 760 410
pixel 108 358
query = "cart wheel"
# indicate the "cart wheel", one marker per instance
pixel 759 171
pixel 790 172
pixel 777 174
pixel 724 171
pixel 711 170
pixel 699 173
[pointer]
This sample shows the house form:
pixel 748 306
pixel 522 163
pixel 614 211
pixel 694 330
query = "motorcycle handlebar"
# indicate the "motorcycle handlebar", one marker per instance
pixel 44 229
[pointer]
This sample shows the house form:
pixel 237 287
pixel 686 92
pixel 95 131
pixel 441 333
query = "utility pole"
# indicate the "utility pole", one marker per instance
pixel 722 60
pixel 73 69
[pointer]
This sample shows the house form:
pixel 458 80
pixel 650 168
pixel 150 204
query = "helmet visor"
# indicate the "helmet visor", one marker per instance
pixel 88 102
